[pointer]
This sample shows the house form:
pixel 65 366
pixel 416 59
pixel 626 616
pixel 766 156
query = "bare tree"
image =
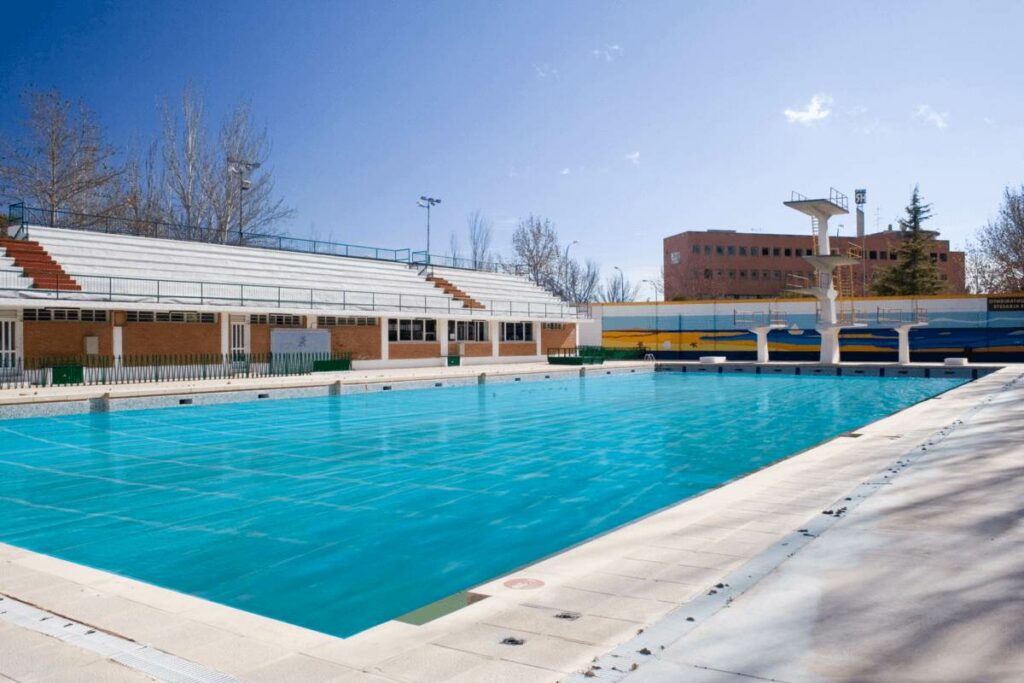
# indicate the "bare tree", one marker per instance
pixel 480 233
pixel 454 253
pixel 140 194
pixel 578 283
pixel 618 289
pixel 218 192
pixel 187 165
pixel 996 262
pixel 535 244
pixel 241 200
pixel 62 162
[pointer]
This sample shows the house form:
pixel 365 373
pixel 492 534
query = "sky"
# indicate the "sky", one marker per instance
pixel 622 122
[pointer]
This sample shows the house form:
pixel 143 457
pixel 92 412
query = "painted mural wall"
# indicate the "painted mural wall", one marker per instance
pixel 977 327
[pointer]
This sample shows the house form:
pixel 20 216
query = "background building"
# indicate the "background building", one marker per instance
pixel 722 264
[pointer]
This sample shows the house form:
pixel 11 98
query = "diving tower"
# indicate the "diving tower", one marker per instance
pixel 823 286
pixel 759 323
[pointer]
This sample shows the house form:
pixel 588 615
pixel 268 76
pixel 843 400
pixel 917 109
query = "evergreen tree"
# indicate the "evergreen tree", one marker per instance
pixel 915 273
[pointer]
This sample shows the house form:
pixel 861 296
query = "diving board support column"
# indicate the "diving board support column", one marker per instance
pixel 829 345
pixel 903 334
pixel 761 333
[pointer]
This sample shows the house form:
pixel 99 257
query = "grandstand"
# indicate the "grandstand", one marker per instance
pixel 71 291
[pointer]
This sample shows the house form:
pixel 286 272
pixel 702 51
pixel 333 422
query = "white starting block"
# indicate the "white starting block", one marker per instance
pixel 955 361
pixel 712 360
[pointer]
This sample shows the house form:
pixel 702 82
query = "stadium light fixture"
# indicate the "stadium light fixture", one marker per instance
pixel 242 169
pixel 425 202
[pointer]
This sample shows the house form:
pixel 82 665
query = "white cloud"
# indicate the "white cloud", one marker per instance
pixel 609 53
pixel 933 118
pixel 543 71
pixel 633 158
pixel 564 171
pixel 817 109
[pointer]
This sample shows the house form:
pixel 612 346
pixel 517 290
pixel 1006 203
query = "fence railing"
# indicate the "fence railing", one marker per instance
pixel 23 216
pixel 87 370
pixel 422 258
pixel 604 352
pixel 185 292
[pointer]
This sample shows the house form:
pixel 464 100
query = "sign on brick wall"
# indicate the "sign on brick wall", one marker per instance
pixel 1006 303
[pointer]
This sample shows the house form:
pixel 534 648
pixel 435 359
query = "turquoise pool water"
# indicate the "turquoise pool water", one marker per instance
pixel 339 513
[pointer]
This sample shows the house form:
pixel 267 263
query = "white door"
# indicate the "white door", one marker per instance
pixel 8 344
pixel 239 340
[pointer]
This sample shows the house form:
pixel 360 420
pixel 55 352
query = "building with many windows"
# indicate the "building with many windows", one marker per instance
pixel 723 264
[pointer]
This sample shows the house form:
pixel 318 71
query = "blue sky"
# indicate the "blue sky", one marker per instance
pixel 623 122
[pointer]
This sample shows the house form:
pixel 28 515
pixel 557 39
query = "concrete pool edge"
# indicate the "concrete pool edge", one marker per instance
pixel 54 401
pixel 554 644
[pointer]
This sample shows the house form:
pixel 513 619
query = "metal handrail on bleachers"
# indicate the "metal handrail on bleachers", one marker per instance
pixel 24 216
pixel 112 288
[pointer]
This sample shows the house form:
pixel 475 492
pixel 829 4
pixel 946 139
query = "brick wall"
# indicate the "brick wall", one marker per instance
pixel 52 339
pixel 517 349
pixel 145 339
pixel 564 338
pixel 363 342
pixel 473 349
pixel 404 350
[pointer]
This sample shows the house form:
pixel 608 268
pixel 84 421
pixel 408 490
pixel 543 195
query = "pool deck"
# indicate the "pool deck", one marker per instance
pixel 920 577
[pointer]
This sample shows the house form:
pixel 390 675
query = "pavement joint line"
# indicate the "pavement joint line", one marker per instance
pixel 148 660
pixel 617 664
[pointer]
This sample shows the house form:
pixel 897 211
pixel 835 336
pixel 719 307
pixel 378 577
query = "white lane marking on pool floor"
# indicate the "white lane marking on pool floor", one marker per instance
pixel 142 658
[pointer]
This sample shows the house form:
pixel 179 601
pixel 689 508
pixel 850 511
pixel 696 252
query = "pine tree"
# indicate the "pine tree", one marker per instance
pixel 915 273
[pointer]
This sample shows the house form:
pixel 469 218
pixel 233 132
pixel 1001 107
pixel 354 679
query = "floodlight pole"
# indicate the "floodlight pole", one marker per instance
pixel 241 169
pixel 426 203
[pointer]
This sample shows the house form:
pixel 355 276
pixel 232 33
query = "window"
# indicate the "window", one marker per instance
pixel 943 257
pixel 776 274
pixel 472 330
pixel 933 257
pixel 743 274
pixel 416 329
pixel 719 250
pixel 732 274
pixel 170 317
pixel 731 250
pixel 789 252
pixel 341 321
pixel 64 315
pixel 707 250
pixel 883 255
pixel 743 251
pixel 707 273
pixel 276 319
pixel 873 255
pixel 674 257
pixel 696 249
pixel 775 251
pixel 516 332
pixel 753 275
pixel 554 326
pixel 720 274
pixel 765 251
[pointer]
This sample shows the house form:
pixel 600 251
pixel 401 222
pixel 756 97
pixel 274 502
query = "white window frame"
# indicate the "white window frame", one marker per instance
pixel 467 330
pixel 517 332
pixel 412 330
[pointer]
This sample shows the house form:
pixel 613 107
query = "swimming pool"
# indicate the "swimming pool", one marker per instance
pixel 338 513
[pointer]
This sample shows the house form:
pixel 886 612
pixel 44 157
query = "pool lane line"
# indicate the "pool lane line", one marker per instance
pixel 617 664
pixel 142 658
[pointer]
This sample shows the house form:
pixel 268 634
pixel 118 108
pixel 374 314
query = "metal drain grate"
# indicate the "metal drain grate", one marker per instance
pixel 143 658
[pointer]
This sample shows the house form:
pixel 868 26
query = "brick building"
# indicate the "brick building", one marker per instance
pixel 712 264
